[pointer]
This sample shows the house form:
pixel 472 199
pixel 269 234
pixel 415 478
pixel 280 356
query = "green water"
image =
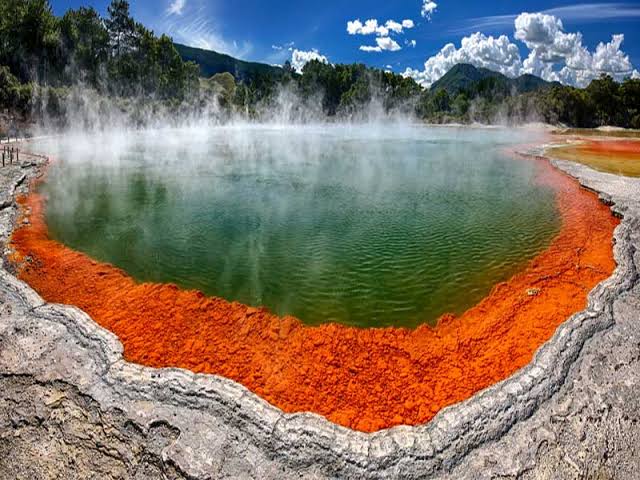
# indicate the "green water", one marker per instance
pixel 367 226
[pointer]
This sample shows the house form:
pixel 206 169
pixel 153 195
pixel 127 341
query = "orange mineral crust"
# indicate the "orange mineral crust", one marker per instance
pixel 366 379
pixel 611 148
pixel 615 156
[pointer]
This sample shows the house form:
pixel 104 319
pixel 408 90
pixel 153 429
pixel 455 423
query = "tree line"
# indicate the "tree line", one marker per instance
pixel 114 55
pixel 603 102
pixel 43 56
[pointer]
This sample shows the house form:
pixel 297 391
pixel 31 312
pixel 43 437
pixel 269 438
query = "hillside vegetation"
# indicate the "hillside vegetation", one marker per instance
pixel 465 78
pixel 86 68
pixel 211 63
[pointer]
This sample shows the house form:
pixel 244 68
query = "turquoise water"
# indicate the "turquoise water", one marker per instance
pixel 367 226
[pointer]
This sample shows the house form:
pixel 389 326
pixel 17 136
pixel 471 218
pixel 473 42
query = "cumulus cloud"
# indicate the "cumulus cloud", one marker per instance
pixel 608 59
pixel 383 44
pixel 410 43
pixel 388 44
pixel 537 28
pixel 299 58
pixel 428 8
pixel 372 26
pixel 176 7
pixel 356 27
pixel 554 54
pixel 497 54
pixel 394 26
pixel 383 41
pixel 552 48
pixel 545 35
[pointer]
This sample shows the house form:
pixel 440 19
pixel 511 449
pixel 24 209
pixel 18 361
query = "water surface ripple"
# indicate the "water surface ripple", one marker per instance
pixel 359 225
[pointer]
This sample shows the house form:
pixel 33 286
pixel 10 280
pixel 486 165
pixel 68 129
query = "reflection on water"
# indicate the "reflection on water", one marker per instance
pixel 369 227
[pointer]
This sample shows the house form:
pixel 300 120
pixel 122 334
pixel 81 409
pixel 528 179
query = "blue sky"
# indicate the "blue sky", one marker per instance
pixel 564 37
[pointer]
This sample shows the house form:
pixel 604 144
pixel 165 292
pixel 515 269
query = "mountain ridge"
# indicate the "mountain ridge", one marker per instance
pixel 464 77
pixel 211 62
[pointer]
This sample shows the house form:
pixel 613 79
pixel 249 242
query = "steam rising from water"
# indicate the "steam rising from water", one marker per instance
pixel 373 224
pixel 82 109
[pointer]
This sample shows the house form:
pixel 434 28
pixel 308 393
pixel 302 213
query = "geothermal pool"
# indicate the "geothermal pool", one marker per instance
pixel 370 226
pixel 365 226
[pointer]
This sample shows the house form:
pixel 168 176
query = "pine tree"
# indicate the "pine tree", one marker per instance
pixel 121 27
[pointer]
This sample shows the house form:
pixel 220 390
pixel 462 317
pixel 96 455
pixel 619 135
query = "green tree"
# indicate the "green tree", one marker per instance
pixel 224 86
pixel 121 27
pixel 29 40
pixel 442 101
pixel 460 105
pixel 630 99
pixel 9 86
pixel 604 94
pixel 86 44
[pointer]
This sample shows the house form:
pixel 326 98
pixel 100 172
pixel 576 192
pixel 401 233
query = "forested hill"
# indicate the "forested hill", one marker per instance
pixel 471 80
pixel 211 63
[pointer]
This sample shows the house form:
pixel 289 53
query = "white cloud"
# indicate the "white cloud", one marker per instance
pixel 383 41
pixel 369 27
pixel 211 40
pixel 299 58
pixel 537 28
pixel 394 26
pixel 193 28
pixel 596 11
pixel 557 55
pixel 388 44
pixel 286 46
pixel 372 26
pixel 544 34
pixel 578 12
pixel 497 54
pixel 383 44
pixel 534 65
pixel 280 53
pixel 554 54
pixel 428 8
pixel 608 59
pixel 410 43
pixel 176 7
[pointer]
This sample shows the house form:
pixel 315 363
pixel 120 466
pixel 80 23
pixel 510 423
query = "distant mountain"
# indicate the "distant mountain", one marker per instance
pixel 466 77
pixel 211 62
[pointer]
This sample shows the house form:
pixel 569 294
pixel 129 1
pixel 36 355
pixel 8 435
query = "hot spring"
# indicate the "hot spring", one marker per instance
pixel 365 226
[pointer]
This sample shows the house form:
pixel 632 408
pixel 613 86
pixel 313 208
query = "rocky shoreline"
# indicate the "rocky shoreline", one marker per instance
pixel 71 406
